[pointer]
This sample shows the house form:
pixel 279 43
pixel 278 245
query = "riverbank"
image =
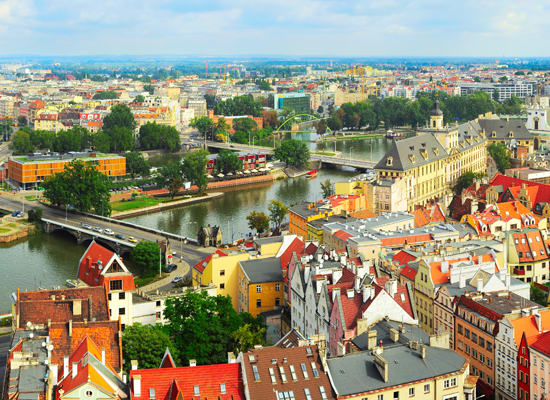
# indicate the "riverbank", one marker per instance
pixel 12 228
pixel 165 206
pixel 350 137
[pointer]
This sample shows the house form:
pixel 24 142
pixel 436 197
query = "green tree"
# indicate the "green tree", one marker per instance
pixel 292 152
pixel 35 215
pixel 228 161
pixel 239 105
pixel 146 344
pixel 239 137
pixel 503 79
pixel 326 187
pixel 246 125
pixel 258 220
pixel 320 110
pixel 122 139
pixel 320 127
pixel 149 136
pixel 101 142
pixel 201 327
pixel 80 185
pixel 264 85
pixel 22 121
pixel 477 79
pixel 194 168
pixel 202 124
pixel 148 255
pixel 277 212
pixel 210 101
pixel 245 338
pixel 137 164
pixel 120 116
pixel 170 178
pixel 21 143
pixel 139 99
pixel 539 296
pixel 519 73
pixel 106 95
pixel 334 123
pixel 149 88
pixel 222 126
pixel 465 180
pixel 501 155
pixel 496 95
pixel 271 118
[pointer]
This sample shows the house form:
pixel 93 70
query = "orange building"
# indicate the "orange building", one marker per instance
pixel 28 172
pixel 230 119
pixel 299 215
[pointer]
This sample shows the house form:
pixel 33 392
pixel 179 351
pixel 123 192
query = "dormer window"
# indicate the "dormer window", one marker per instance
pixel 411 157
pixel 436 151
pixel 389 161
pixel 511 134
pixel 493 134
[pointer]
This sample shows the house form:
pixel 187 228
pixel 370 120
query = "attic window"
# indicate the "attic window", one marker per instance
pixel 411 157
pixel 494 134
pixel 196 390
pixel 507 212
pixel 389 161
pixel 151 393
pixel 511 134
pixel 541 252
pixel 528 254
pixel 522 240
pixel 517 241
pixel 272 375
pixel 256 374
pixel 538 239
pixel 222 388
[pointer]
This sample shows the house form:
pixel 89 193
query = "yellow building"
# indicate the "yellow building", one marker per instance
pixel 260 285
pixel 221 269
pixel 46 122
pixel 299 215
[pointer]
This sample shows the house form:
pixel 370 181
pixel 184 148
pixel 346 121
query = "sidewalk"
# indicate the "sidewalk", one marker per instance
pixel 183 269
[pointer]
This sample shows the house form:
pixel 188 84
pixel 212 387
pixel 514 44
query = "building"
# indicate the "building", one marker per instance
pixel 260 285
pixel 209 236
pixel 292 373
pixel 402 371
pixel 46 122
pixel 221 381
pixel 28 172
pixel 539 360
pixel 509 131
pixel 431 162
pixel 299 216
pixel 230 120
pixel 300 103
pixel 528 254
pixel 505 90
pixel 198 106
pixel 101 267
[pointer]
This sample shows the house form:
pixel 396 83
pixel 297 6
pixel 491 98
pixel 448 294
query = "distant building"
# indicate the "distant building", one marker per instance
pixel 299 102
pixel 210 236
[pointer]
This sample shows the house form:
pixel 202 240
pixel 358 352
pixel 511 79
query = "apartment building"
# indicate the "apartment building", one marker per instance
pixel 528 254
pixel 46 122
pixel 539 360
pixel 505 90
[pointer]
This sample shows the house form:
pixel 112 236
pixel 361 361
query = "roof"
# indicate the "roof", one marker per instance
pixel 171 383
pixel 498 307
pixel 529 326
pixel 200 266
pixel 261 270
pixel 503 127
pixel 401 153
pixel 291 339
pixel 357 373
pixel 407 332
pixel 541 343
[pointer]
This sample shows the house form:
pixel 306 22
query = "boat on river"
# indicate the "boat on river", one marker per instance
pixel 312 174
pixel 394 135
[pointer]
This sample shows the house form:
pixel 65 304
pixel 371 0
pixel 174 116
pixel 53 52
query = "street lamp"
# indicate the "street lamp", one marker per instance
pixel 351 148
pixel 370 150
pixel 253 137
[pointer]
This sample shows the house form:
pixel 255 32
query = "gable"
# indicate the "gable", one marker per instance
pixel 383 306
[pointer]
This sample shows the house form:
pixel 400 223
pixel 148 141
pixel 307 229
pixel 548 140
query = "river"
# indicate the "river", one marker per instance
pixel 47 260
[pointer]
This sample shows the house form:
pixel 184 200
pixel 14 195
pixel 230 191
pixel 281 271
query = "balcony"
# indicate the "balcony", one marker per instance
pixel 519 271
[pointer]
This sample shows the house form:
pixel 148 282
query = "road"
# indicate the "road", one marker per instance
pixel 5 341
pixel 190 254
pixel 4 151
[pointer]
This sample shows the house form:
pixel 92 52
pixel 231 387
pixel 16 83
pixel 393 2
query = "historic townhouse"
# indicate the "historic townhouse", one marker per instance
pixel 528 254
pixel 430 162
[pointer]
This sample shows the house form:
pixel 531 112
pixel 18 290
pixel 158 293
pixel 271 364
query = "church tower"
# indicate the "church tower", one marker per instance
pixel 436 116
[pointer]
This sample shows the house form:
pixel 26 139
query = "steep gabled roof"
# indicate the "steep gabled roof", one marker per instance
pixel 200 266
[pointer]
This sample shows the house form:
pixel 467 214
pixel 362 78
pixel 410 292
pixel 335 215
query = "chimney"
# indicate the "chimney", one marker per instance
pixel 53 297
pixel 423 351
pixel 444 266
pixel 134 364
pixel 231 358
pixel 53 368
pixel 124 377
pixel 336 275
pixel 75 369
pixel 88 262
pixel 391 287
pixel 381 366
pixel 137 385
pixel 70 328
pixel 192 363
pixel 357 284
pixel 479 285
pixel 367 292
pixel 394 335
pixel 77 307
pixel 538 321
pixel 350 293
pixel 103 355
pixel 507 281
pixel 335 292
pixel 65 366
pixel 371 341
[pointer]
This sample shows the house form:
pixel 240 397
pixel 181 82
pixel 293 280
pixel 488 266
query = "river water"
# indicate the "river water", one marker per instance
pixel 49 259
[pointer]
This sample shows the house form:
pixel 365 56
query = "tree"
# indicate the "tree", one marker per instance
pixel 147 254
pixel 239 105
pixel 245 338
pixel 228 161
pixel 222 126
pixel 21 143
pixel 22 121
pixel 271 118
pixel 137 164
pixel 519 73
pixel 334 123
pixel 106 95
pixel 264 85
pixel 320 110
pixel 194 169
pixel 80 185
pixel 501 155
pixel 201 327
pixel 538 295
pixel 239 137
pixel 477 79
pixel 120 116
pixel 210 101
pixel 146 344
pixel 292 152
pixel 139 99
pixel 149 136
pixel 503 79
pixel 320 127
pixel 465 180
pixel 122 139
pixel 246 125
pixel 496 95
pixel 170 178
pixel 35 215
pixel 149 88
pixel 326 187
pixel 101 142
pixel 277 212
pixel 202 124
pixel 258 220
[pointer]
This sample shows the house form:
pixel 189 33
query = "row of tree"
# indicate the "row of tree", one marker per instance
pixel 259 220
pixel 192 168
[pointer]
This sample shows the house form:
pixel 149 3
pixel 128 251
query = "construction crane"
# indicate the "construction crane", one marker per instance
pixel 207 66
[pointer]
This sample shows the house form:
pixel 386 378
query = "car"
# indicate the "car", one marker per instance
pixel 170 267
pixel 109 232
pixel 177 279
pixel 174 253
pixel 14 214
pixel 120 236
pixel 231 145
pixel 19 214
pixel 86 226
pixel 132 239
pixel 97 229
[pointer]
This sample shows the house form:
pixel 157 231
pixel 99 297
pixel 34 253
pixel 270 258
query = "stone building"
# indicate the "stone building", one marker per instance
pixel 210 236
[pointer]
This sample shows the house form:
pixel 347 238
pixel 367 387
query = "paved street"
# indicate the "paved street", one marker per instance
pixel 5 341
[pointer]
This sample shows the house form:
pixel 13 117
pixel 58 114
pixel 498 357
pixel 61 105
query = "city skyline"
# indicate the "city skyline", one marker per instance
pixel 292 28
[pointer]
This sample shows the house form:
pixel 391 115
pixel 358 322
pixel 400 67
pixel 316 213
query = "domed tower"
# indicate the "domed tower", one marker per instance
pixel 436 116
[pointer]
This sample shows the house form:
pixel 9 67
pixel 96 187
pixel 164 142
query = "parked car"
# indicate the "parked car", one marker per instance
pixel 14 214
pixel 109 232
pixel 132 239
pixel 97 229
pixel 86 226
pixel 177 279
pixel 170 267
pixel 174 253
pixel 120 236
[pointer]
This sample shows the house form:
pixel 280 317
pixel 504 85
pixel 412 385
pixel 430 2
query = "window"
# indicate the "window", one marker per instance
pixel 258 288
pixel 481 342
pixel 460 345
pixel 467 349
pixel 396 395
pixel 158 303
pixel 474 353
pixel 490 363
pixel 196 390
pixel 411 392
pixel 283 373
pixel 304 371
pixel 151 393
pixel 222 272
pixel 116 284
pixel 259 303
pixel 122 311
pixel 448 383
pixel 256 374
pixel 314 368
pixel 272 375
pixel 380 397
pixel 222 285
pixel 467 333
pixel 474 337
pixel 308 395
pixel 293 373
pixel 89 393
pixel 277 287
pixel 534 360
pixel 427 388
pixel 481 358
pixel 535 379
pixel 460 329
pixel 323 393
pixel 277 301
pixel 489 346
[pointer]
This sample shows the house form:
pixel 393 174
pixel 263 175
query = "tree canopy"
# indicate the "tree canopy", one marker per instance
pixel 146 344
pixel 501 155
pixel 137 164
pixel 154 136
pixel 170 178
pixel 258 220
pixel 21 143
pixel 147 254
pixel 228 161
pixel 120 116
pixel 292 152
pixel 277 212
pixel 194 168
pixel 465 180
pixel 239 105
pixel 202 124
pixel 106 95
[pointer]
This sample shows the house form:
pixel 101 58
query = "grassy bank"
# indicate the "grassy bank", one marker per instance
pixel 324 153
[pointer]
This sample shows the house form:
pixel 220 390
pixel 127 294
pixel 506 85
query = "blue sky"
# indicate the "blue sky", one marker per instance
pixel 386 28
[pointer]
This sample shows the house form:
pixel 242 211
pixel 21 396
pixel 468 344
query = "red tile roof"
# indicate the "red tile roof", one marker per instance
pixel 342 235
pixel 200 266
pixel 541 343
pixel 296 246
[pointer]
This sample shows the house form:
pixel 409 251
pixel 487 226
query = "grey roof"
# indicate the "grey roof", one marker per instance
pixel 504 127
pixel 268 240
pixel 356 373
pixel 382 328
pixel 402 150
pixel 263 269
pixel 436 110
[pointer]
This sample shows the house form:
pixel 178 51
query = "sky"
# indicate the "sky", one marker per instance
pixel 326 28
